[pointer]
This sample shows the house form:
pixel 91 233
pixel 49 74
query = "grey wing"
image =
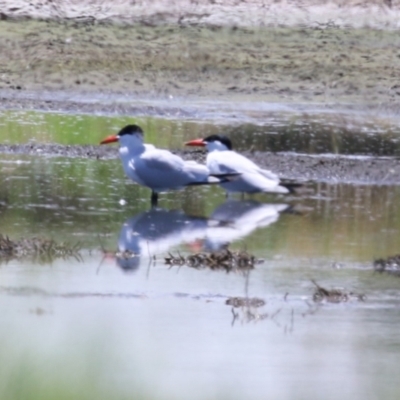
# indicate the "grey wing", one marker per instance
pixel 199 170
pixel 162 169
pixel 161 160
pixel 217 166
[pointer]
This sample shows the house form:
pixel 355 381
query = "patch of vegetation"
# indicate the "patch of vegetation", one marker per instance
pixel 38 249
pixel 224 259
pixel 322 294
pixel 390 265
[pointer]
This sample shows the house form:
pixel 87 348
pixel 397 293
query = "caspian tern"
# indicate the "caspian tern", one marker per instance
pixel 252 179
pixel 159 170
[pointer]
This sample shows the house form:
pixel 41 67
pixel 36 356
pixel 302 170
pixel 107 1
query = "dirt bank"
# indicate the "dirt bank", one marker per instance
pixel 329 66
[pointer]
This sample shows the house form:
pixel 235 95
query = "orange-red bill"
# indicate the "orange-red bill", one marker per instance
pixel 110 139
pixel 195 142
pixel 196 246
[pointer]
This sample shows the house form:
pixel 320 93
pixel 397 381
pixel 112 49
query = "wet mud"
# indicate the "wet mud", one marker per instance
pixel 301 168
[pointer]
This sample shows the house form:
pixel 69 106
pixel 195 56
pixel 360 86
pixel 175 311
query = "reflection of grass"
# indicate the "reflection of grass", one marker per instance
pixel 345 222
pixel 27 379
pixel 22 127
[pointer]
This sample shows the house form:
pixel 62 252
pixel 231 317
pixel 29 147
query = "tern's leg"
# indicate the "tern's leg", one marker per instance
pixel 154 199
pixel 229 195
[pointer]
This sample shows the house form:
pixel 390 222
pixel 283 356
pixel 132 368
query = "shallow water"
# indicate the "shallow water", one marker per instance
pixel 108 326
pixel 259 128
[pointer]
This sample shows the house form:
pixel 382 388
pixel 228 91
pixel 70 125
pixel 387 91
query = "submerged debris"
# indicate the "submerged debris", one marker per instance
pixel 391 265
pixel 39 249
pixel 224 259
pixel 334 295
pixel 245 302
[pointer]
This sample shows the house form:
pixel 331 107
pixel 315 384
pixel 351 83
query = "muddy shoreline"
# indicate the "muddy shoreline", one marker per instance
pixel 289 166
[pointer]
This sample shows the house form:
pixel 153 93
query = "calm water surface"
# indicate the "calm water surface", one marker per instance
pixel 311 133
pixel 124 328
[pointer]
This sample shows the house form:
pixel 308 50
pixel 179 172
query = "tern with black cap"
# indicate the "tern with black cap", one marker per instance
pixel 158 169
pixel 222 159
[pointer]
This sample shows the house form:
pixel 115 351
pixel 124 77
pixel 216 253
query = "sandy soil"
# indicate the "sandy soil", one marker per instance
pixel 76 60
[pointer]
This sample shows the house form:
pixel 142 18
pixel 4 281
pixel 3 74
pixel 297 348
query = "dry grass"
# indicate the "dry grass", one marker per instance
pixel 278 65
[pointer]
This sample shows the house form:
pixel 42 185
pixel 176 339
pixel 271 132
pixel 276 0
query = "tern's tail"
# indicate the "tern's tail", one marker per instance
pixel 223 178
pixel 291 186
pixel 215 179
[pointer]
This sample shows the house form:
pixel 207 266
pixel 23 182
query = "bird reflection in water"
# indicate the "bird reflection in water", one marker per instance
pixel 234 220
pixel 158 230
